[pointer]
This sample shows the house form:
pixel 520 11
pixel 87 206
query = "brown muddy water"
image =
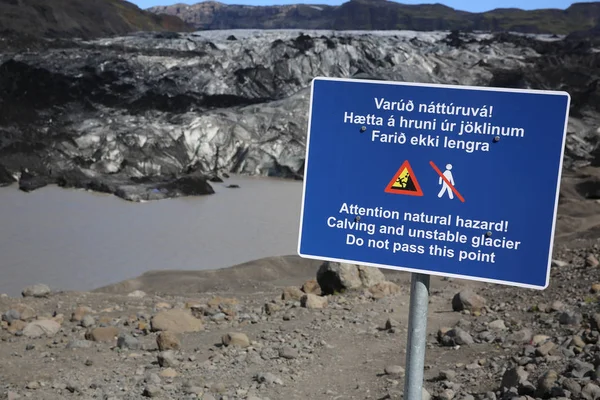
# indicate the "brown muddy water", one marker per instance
pixel 78 240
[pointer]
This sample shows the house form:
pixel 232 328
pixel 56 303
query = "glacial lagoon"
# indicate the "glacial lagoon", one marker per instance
pixel 79 240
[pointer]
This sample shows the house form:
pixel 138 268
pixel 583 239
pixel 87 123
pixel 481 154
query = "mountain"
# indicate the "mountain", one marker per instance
pixel 81 18
pixel 382 15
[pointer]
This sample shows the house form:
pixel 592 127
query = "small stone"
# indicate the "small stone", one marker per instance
pixel 268 378
pixel 524 335
pixel 168 373
pixel 26 313
pixel 384 289
pixel 312 301
pixel 595 321
pixel 557 306
pixel 167 359
pixel 447 375
pixel 425 395
pixel 73 387
pixel 12 396
pixel 572 386
pixel 595 288
pixel 288 352
pixel 497 325
pixel 370 276
pixel 176 321
pixel 578 342
pixel 468 300
pixel 545 349
pixel 16 327
pixel 546 382
pixel 128 342
pixel 168 341
pixel 394 370
pixel 32 385
pixel 514 377
pixel 591 261
pixel 39 328
pixel 87 321
pixel 456 336
pixel 447 394
pixel 190 388
pixel 79 344
pixel 152 391
pixel 219 301
pixel 569 318
pixel 59 319
pixel 270 308
pixel 219 317
pixel 391 324
pixel 79 313
pixel 539 339
pixel 38 290
pixel 590 392
pixel 559 264
pixel 218 387
pixel 292 293
pixel 312 287
pixel 163 306
pixel 153 378
pixel 235 339
pixel 137 293
pixel 103 334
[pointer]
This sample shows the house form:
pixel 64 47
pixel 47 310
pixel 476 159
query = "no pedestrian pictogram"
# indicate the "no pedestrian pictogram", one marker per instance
pixel 447 184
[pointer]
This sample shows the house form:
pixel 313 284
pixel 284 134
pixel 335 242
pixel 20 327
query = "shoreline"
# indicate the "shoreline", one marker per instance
pixel 187 185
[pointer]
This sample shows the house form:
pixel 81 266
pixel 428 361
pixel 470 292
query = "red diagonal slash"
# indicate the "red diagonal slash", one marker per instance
pixel 447 181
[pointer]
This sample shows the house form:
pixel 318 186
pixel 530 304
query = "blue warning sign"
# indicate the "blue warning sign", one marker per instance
pixel 445 180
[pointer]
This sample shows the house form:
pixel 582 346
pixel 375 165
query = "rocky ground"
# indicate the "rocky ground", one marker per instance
pixel 155 115
pixel 337 333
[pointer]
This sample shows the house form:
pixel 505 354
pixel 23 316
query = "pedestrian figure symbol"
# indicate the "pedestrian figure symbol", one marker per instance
pixel 445 186
pixel 447 181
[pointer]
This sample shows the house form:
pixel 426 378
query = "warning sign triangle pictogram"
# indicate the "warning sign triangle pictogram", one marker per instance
pixel 404 182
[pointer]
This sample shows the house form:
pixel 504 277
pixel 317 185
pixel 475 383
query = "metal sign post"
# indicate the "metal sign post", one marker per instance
pixel 417 336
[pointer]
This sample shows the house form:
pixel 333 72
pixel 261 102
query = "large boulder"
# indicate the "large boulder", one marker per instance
pixel 335 277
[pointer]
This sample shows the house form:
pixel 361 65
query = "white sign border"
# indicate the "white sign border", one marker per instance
pixel 440 86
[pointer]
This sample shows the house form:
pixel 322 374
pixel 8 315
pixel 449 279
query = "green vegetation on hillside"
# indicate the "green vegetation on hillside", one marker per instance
pixel 81 18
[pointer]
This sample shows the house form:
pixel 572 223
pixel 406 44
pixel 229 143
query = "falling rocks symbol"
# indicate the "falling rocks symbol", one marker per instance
pixel 404 182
